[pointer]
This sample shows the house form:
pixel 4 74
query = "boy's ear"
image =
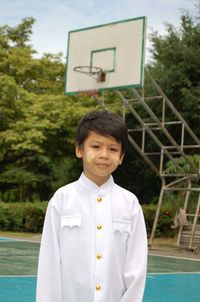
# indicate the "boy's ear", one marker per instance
pixel 78 151
pixel 121 159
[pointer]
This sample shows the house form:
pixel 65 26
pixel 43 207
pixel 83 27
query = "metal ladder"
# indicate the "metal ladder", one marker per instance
pixel 155 122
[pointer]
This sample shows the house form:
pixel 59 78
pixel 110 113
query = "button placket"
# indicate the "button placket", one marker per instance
pixel 99 245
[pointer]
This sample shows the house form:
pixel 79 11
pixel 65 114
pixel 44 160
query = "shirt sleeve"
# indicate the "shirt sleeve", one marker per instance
pixel 49 271
pixel 136 261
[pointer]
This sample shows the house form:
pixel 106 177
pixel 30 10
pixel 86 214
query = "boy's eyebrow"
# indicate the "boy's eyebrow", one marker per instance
pixel 100 142
pixel 95 141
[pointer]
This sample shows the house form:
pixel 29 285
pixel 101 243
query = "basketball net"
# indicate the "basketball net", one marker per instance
pixel 87 76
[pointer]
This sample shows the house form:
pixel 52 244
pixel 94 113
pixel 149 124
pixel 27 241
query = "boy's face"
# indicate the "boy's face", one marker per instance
pixel 101 156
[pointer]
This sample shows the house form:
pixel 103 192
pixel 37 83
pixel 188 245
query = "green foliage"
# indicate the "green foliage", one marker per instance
pixel 37 122
pixel 29 217
pixel 186 163
pixel 171 203
pixel 176 65
pixel 166 219
pixel 22 217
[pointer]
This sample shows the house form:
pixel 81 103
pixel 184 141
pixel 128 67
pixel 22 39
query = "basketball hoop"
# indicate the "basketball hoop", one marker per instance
pixel 89 92
pixel 93 71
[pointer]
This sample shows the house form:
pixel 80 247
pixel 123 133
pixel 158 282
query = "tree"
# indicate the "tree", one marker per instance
pixel 176 65
pixel 36 120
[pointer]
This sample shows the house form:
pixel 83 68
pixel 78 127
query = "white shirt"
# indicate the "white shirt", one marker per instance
pixel 94 245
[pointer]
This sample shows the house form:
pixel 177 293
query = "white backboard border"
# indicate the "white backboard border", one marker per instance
pixel 109 56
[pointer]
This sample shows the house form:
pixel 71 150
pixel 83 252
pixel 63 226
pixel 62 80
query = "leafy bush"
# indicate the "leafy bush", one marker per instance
pixel 165 221
pixel 22 217
pixel 29 217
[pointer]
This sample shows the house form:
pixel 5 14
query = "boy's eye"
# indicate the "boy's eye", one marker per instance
pixel 95 146
pixel 114 149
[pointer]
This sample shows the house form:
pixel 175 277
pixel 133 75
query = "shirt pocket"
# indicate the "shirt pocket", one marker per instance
pixel 71 221
pixel 121 226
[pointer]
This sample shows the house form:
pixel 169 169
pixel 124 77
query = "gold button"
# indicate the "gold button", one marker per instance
pixel 99 199
pixel 99 227
pixel 98 287
pixel 99 256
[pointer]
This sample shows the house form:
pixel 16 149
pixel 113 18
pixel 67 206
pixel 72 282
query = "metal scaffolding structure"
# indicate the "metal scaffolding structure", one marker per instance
pixel 160 134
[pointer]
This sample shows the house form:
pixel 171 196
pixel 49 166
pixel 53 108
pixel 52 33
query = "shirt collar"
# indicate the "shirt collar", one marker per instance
pixel 91 186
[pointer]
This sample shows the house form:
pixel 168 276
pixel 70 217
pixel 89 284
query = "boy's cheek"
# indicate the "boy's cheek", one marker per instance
pixel 90 155
pixel 117 160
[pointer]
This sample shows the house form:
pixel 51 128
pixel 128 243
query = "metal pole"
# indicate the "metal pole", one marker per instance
pixel 157 212
pixel 195 138
pixel 195 222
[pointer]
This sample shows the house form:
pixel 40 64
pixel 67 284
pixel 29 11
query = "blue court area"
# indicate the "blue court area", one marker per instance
pixel 170 279
pixel 17 289
pixel 173 288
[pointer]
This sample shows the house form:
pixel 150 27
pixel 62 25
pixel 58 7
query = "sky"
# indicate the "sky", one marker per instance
pixel 55 18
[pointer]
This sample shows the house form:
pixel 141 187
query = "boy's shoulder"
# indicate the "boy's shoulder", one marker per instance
pixel 64 191
pixel 125 203
pixel 66 188
pixel 125 196
pixel 126 193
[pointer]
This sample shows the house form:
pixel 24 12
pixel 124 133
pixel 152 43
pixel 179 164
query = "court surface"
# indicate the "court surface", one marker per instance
pixel 169 279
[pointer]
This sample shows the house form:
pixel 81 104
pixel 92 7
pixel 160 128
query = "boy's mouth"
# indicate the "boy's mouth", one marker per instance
pixel 103 164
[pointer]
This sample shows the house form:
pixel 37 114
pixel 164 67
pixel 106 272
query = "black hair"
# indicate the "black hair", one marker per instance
pixel 104 123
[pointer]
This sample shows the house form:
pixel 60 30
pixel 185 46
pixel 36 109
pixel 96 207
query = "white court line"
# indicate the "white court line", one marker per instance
pixel 20 258
pixel 175 273
pixel 175 257
pixel 149 275
pixel 17 240
pixel 17 276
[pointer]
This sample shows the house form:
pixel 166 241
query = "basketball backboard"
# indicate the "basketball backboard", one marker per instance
pixel 115 49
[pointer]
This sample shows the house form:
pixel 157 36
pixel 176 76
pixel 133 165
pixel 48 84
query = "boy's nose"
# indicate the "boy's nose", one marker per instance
pixel 104 153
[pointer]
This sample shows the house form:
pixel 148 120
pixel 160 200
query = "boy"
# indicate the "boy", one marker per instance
pixel 94 246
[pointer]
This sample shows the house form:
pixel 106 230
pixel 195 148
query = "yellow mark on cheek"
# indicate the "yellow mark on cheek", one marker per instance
pixel 90 156
pixel 116 160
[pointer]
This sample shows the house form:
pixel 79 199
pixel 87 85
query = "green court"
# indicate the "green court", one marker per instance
pixel 169 278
